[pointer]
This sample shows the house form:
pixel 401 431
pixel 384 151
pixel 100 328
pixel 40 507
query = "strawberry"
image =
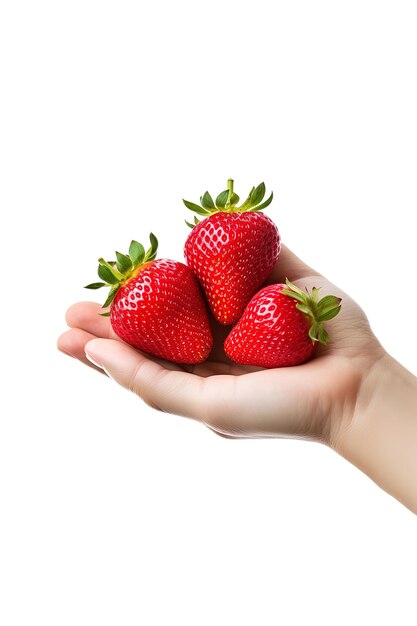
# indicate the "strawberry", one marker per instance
pixel 156 305
pixel 281 326
pixel 232 250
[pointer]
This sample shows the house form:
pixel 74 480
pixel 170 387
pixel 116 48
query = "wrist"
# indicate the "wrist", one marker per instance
pixel 380 438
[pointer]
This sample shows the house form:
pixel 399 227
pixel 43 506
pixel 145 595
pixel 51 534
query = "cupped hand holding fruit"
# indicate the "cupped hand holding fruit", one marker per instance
pixel 349 394
pixel 315 400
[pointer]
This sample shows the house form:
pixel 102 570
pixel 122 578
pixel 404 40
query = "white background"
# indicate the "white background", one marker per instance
pixel 111 112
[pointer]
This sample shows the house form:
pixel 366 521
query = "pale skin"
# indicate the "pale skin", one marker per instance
pixel 351 396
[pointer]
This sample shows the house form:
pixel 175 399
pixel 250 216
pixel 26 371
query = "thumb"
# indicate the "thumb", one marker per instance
pixel 163 388
pixel 289 266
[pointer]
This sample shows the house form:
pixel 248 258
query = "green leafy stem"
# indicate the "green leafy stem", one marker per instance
pixel 116 273
pixel 317 311
pixel 227 202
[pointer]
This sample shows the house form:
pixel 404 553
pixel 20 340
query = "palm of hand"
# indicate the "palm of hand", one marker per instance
pixel 314 400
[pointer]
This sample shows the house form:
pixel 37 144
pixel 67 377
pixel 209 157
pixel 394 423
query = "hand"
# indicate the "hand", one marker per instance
pixel 316 400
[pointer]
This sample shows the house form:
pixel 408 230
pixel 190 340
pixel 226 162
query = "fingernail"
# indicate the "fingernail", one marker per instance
pixel 93 360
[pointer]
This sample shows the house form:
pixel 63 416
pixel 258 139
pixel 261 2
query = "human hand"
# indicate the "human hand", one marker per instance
pixel 316 400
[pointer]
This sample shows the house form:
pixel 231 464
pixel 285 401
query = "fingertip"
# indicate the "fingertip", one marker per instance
pixel 93 353
pixel 80 312
pixel 71 313
pixel 72 341
pixel 67 343
pixel 61 342
pixel 94 348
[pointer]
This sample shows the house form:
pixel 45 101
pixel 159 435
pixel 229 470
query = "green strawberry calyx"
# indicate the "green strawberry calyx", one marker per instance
pixel 227 202
pixel 117 273
pixel 317 311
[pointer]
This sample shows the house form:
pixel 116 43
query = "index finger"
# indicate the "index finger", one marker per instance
pixel 86 315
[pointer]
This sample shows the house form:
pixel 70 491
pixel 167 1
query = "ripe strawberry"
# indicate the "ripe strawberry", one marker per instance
pixel 156 305
pixel 232 250
pixel 281 326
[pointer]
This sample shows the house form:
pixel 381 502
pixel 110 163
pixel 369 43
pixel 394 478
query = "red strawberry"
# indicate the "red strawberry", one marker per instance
pixel 232 250
pixel 281 326
pixel 156 305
